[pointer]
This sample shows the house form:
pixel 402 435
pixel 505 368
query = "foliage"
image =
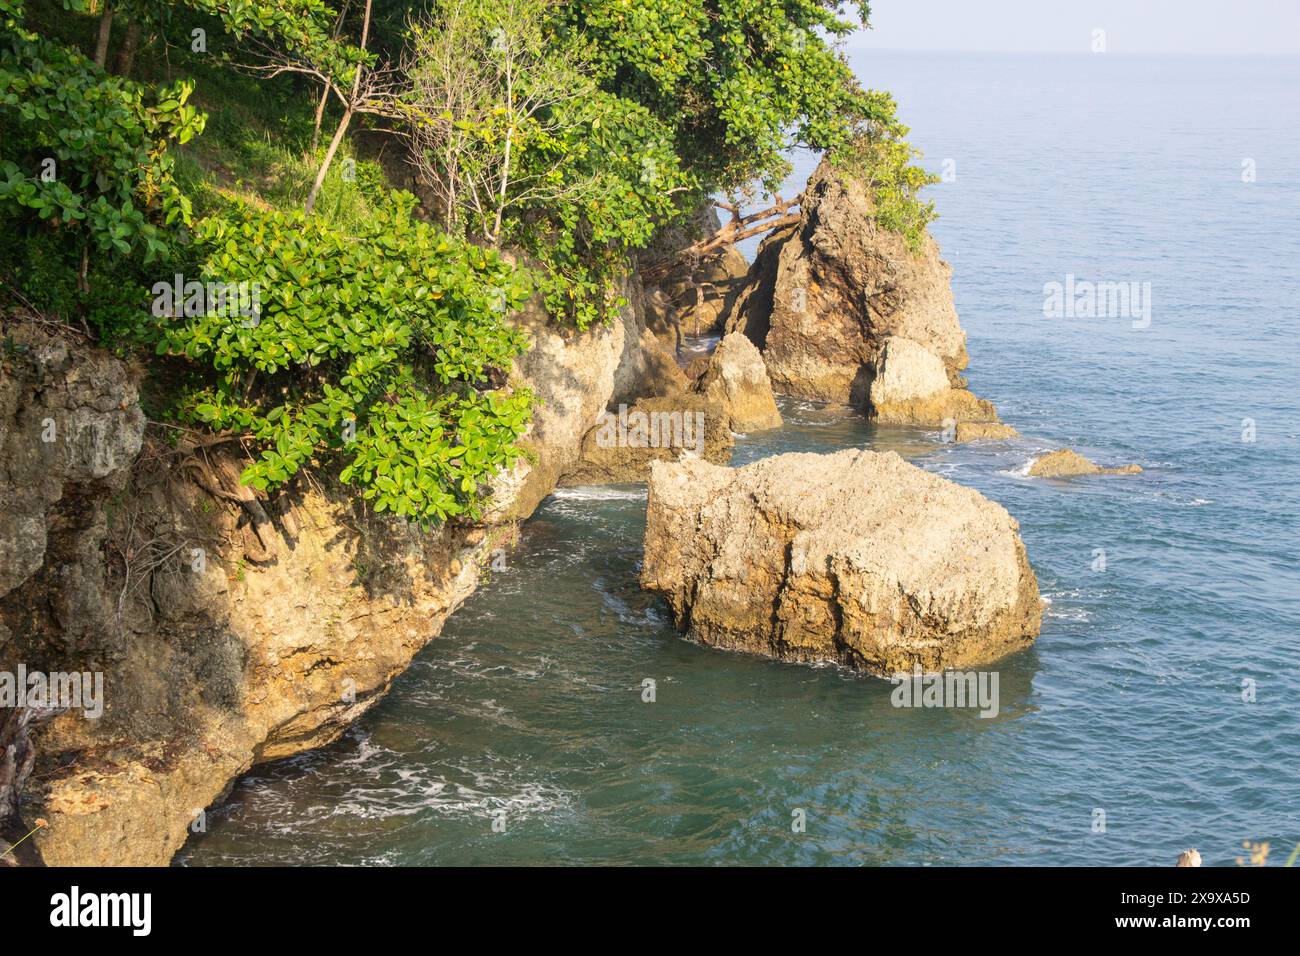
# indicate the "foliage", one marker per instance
pixel 738 81
pixel 86 153
pixel 377 346
pixel 878 156
pixel 521 146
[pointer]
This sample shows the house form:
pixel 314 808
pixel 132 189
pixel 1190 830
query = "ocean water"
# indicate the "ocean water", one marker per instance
pixel 1164 689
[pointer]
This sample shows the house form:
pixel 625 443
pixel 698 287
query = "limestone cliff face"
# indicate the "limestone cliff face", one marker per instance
pixel 221 644
pixel 825 295
pixel 857 558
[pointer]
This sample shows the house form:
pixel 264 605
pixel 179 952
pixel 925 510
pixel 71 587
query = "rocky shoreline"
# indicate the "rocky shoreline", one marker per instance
pixel 233 630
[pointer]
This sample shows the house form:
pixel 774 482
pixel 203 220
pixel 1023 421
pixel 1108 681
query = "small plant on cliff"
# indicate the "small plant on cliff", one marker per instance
pixel 377 348
pixel 879 156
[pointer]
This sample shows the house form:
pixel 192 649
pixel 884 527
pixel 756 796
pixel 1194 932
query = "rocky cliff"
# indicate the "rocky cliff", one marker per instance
pixel 825 298
pixel 227 631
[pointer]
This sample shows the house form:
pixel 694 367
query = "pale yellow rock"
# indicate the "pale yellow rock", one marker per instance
pixel 911 387
pixel 1067 463
pixel 736 380
pixel 907 371
pixel 856 557
pixel 984 431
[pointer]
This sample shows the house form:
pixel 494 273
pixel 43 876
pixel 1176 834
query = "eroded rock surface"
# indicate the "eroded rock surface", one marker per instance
pixel 220 644
pixel 62 422
pixel 984 431
pixel 857 557
pixel 736 380
pixel 911 387
pixel 822 296
pixel 1067 463
pixel 627 439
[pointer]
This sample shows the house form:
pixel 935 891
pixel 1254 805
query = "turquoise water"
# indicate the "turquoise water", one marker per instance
pixel 530 703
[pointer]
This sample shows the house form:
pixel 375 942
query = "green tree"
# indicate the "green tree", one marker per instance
pixel 378 348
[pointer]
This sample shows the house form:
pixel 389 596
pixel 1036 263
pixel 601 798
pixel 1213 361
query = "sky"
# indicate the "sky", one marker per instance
pixel 1225 27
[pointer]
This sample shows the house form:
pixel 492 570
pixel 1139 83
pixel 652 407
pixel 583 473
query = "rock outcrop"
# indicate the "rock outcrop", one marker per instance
pixel 576 376
pixel 983 431
pixel 911 387
pixel 62 423
pixel 824 294
pixel 627 439
pixel 857 557
pixel 736 380
pixel 223 644
pixel 1067 463
pixel 688 295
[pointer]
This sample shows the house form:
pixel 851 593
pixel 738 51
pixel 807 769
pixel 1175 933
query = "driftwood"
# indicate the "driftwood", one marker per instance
pixel 737 229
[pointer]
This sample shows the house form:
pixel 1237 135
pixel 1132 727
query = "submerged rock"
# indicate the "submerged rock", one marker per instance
pixel 857 557
pixel 823 296
pixel 1067 463
pixel 737 381
pixel 983 431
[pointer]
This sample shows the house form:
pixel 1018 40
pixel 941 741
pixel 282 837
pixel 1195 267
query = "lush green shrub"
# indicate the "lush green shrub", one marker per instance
pixel 377 347
pixel 85 154
pixel 521 146
pixel 879 156
pixel 737 81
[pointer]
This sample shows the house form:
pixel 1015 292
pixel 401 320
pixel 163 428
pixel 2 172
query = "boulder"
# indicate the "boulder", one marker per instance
pixel 736 379
pixel 626 440
pixel 1067 463
pixel 824 294
pixel 911 387
pixel 576 376
pixel 984 431
pixel 857 558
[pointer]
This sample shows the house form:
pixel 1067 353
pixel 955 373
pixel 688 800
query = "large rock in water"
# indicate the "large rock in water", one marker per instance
pixel 911 387
pixel 824 295
pixel 737 381
pixel 857 557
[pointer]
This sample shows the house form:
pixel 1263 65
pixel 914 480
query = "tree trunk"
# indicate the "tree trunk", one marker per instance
pixel 105 31
pixel 320 114
pixel 325 163
pixel 126 55
pixel 16 759
pixel 343 123
pixel 325 93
